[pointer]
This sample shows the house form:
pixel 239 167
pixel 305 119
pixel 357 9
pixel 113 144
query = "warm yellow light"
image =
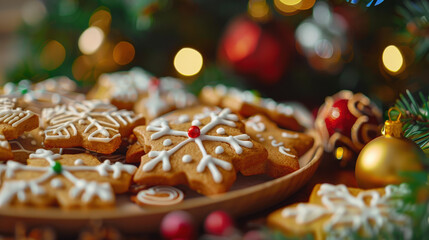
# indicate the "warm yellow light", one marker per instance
pixel 339 153
pixel 290 2
pixel 188 61
pixel 90 40
pixel 258 9
pixel 123 53
pixel 392 58
pixel 53 55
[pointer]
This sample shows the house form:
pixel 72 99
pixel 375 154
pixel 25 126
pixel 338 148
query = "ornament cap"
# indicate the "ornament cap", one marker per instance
pixel 393 128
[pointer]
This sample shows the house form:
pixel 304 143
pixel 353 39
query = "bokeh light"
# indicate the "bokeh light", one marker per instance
pixel 101 19
pixel 188 61
pixel 339 153
pixel 290 7
pixel 123 53
pixel 52 55
pixel 290 2
pixel 33 12
pixel 258 9
pixel 392 58
pixel 90 40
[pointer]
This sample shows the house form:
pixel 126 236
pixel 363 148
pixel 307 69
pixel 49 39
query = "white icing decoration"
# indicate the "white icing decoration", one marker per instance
pixel 261 139
pixel 183 118
pixel 289 135
pixel 167 142
pixel 258 135
pixel 11 115
pixel 225 117
pixel 78 162
pixel 219 150
pixel 101 120
pixel 87 190
pixel 256 124
pixel 155 104
pixel 149 196
pixel 350 214
pixel 270 137
pixel 220 131
pixel 196 122
pixel 56 183
pixel 3 143
pixel 282 149
pixel 186 158
pixel 33 142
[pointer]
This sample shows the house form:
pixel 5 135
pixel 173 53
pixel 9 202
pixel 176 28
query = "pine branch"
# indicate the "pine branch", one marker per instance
pixel 415 118
pixel 416 16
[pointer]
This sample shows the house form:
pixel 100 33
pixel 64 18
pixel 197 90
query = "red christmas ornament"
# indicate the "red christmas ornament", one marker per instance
pixel 177 225
pixel 339 118
pixel 194 132
pixel 261 52
pixel 218 223
pixel 349 120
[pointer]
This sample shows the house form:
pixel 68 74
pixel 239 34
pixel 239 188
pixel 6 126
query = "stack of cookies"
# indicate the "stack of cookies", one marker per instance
pixel 133 132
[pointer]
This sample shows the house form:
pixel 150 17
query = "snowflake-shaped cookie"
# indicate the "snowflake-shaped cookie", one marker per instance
pixel 92 124
pixel 70 180
pixel 13 122
pixel 338 212
pixel 284 147
pixel 204 151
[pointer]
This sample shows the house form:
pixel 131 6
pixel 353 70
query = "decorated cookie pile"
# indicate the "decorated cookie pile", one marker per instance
pixel 137 134
pixel 336 212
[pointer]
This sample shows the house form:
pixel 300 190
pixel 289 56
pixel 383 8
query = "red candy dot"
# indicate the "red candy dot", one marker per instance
pixel 218 223
pixel 154 83
pixel 177 225
pixel 194 132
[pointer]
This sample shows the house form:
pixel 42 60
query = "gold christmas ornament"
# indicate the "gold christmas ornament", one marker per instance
pixel 383 159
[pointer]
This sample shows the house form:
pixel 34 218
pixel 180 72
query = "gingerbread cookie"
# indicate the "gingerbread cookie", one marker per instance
pixel 27 144
pixel 13 122
pixel 284 147
pixel 48 93
pixel 138 90
pixel 78 180
pixel 204 153
pixel 248 104
pixel 338 212
pixel 122 89
pixel 134 153
pixel 162 97
pixel 92 124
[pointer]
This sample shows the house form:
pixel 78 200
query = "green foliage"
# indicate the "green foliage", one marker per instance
pixel 417 14
pixel 415 118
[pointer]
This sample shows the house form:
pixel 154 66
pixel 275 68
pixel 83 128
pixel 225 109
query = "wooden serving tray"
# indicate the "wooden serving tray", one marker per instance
pixel 248 195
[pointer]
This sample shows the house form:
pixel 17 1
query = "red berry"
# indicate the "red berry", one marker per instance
pixel 194 132
pixel 177 225
pixel 218 223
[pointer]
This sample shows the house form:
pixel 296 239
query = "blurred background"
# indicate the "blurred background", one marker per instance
pixel 301 50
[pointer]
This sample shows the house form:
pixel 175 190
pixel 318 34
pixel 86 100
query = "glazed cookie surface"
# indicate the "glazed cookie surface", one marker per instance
pixel 337 212
pixel 92 124
pixel 202 151
pixel 284 147
pixel 14 121
pixel 247 103
pixel 70 180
